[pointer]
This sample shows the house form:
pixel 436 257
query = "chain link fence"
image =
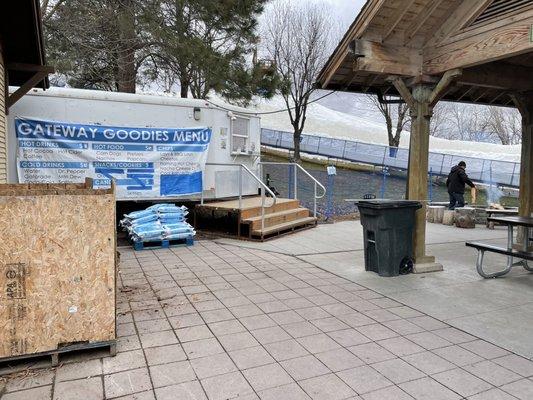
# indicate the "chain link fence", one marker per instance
pixel 493 172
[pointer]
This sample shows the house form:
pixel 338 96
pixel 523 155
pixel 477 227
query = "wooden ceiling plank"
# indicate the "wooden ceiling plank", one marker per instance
pixel 500 94
pixel 465 11
pixel 369 82
pixel 440 39
pixel 472 16
pixel 350 78
pixel 332 70
pixel 465 93
pixel 481 94
pixel 396 19
pixel 418 22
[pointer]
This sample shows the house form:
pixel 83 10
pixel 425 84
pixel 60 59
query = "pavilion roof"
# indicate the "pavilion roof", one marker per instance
pixel 22 39
pixel 489 41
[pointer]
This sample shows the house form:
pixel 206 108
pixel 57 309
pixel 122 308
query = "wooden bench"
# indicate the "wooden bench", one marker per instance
pixel 510 253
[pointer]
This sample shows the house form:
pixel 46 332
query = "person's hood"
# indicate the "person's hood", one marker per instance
pixel 454 169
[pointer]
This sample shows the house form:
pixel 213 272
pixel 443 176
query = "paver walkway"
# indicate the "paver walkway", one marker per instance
pixel 221 322
pixel 497 310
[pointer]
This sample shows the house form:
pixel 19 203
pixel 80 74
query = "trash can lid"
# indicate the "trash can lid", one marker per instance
pixel 383 204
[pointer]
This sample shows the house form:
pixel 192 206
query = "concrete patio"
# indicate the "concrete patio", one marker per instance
pixel 298 318
pixel 497 310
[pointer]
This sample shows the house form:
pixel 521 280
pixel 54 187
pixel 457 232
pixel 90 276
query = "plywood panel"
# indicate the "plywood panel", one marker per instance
pixel 57 267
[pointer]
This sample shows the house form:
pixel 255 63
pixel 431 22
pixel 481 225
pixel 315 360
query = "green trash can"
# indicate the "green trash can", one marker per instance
pixel 388 235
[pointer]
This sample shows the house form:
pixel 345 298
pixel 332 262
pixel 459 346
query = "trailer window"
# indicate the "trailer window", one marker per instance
pixel 240 133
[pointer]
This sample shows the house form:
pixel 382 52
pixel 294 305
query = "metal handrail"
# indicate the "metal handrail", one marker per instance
pixel 299 167
pixel 258 180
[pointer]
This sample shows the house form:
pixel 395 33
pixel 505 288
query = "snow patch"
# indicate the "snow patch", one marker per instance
pixel 365 124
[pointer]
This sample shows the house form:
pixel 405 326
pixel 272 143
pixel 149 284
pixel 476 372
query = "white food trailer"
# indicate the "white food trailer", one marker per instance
pixel 36 119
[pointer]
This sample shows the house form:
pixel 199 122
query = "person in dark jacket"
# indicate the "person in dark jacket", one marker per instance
pixel 457 179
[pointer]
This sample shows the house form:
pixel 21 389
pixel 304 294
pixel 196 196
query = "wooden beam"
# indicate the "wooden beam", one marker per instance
pixel 28 85
pixel 443 86
pixel 524 103
pixel 422 79
pixel 507 41
pixel 397 17
pixel 387 59
pixel 466 92
pixel 30 67
pixel 404 91
pixel 481 94
pixel 499 75
pixel 420 20
pixel 497 97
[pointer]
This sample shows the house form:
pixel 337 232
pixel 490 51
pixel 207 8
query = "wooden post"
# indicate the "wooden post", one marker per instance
pixel 421 99
pixel 417 175
pixel 524 103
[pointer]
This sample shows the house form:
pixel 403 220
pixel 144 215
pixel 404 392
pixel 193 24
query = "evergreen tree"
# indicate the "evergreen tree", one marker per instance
pixel 207 45
pixel 119 44
pixel 96 44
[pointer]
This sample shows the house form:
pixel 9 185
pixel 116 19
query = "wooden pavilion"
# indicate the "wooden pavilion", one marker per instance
pixel 474 51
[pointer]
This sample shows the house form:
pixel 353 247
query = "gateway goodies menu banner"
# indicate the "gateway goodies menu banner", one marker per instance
pixel 145 162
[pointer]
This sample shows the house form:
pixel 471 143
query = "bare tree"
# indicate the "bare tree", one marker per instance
pixel 396 118
pixel 465 122
pixel 49 8
pixel 297 37
pixel 504 124
pixel 439 120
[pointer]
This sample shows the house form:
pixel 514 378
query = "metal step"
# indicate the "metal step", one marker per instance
pixel 277 218
pixel 284 226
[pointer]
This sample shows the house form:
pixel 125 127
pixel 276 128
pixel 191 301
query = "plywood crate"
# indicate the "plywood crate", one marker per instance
pixel 57 267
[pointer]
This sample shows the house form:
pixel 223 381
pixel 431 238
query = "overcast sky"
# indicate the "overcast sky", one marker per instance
pixel 345 10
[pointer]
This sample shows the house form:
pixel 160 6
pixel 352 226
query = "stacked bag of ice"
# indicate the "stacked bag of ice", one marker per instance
pixel 158 222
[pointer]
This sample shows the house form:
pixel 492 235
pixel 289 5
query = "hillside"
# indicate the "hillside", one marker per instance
pixel 349 116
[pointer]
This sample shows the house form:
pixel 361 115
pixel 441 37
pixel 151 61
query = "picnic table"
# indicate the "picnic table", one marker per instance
pixel 495 212
pixel 524 254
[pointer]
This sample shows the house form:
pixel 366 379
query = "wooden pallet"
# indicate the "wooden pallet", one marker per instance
pixel 9 364
pixel 163 244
